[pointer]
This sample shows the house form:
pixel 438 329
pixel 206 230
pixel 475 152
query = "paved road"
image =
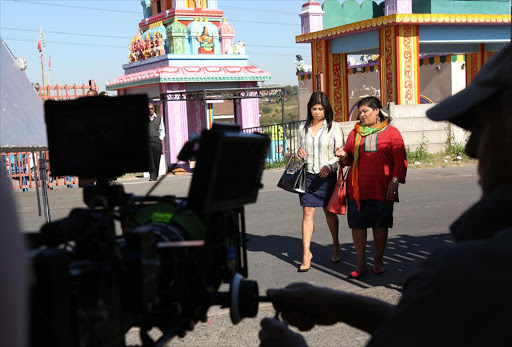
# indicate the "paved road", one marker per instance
pixel 430 201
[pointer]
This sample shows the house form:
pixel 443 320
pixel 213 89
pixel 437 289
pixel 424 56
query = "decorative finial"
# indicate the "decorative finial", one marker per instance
pixel 224 20
pixel 175 19
pixel 195 19
pixel 206 19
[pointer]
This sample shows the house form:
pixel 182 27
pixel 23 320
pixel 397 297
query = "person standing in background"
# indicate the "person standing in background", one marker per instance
pixel 156 135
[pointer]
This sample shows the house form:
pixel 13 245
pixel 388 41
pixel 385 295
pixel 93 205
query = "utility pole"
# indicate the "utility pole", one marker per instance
pixel 41 47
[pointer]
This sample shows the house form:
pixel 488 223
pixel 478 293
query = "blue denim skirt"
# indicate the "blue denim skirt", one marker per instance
pixel 318 190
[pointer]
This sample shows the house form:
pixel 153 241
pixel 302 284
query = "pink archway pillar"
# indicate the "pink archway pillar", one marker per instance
pixel 248 110
pixel 176 126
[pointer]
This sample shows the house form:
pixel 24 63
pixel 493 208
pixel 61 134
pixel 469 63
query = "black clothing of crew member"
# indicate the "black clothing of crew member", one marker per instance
pixel 461 295
pixel 155 144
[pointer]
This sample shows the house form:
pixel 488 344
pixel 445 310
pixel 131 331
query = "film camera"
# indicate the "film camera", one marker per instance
pixel 140 261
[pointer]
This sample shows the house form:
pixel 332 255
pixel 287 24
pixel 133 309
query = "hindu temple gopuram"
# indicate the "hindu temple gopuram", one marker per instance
pixel 185 46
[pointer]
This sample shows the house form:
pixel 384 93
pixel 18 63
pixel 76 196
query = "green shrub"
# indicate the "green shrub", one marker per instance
pixel 420 154
pixel 454 148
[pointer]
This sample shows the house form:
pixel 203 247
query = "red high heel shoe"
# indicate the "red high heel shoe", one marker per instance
pixel 358 273
pixel 379 269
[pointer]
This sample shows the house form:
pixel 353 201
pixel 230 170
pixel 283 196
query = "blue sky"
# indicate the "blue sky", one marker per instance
pixel 89 39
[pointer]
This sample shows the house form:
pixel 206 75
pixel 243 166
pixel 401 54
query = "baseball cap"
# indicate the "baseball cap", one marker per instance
pixel 495 75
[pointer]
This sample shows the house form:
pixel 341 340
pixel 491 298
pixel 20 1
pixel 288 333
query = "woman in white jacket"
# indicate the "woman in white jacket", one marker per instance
pixel 318 139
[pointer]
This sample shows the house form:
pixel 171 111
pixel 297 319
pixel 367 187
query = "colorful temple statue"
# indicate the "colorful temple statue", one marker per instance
pixel 186 46
pixel 203 41
pixel 206 43
pixel 177 34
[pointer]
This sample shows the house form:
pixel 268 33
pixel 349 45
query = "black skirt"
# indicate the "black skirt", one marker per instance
pixel 318 190
pixel 373 214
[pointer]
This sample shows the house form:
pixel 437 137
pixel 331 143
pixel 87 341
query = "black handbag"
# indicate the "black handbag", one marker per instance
pixel 294 177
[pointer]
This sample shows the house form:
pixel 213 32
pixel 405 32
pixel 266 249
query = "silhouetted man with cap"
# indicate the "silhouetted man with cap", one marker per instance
pixel 462 294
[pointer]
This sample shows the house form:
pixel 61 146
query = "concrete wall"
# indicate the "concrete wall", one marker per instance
pixel 436 81
pixel 439 81
pixel 304 94
pixel 458 76
pixel 416 128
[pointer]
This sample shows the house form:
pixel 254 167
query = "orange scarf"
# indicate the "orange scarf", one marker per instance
pixel 361 131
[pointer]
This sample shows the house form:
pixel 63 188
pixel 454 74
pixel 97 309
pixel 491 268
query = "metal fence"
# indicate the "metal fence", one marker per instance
pixel 66 92
pixel 22 170
pixel 284 141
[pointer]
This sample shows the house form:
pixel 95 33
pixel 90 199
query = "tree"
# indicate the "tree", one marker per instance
pixel 290 90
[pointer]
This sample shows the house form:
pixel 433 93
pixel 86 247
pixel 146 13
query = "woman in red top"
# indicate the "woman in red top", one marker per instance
pixel 375 152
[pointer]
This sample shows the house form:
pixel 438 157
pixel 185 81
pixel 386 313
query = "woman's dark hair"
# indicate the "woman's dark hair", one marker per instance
pixel 374 103
pixel 319 98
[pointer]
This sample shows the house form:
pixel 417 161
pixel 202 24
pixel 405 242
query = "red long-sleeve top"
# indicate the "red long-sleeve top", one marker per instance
pixel 377 168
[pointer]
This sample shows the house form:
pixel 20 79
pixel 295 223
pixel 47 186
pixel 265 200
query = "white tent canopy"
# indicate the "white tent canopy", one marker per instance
pixel 22 126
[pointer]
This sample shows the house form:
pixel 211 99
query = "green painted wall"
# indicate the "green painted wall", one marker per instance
pixel 350 11
pixel 461 6
pixel 332 17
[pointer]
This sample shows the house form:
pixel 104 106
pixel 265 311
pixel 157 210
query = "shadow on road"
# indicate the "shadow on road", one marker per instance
pixel 404 254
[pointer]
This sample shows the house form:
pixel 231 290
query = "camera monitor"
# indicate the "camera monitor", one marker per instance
pixel 98 136
pixel 228 170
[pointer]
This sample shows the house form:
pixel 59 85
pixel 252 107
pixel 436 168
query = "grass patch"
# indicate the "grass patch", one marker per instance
pixel 454 154
pixel 281 164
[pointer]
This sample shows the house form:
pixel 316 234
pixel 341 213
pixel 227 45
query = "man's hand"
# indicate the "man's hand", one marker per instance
pixel 301 153
pixel 324 171
pixel 303 305
pixel 275 333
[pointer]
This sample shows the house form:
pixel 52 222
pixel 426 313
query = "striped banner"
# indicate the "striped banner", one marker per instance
pixel 303 77
pixel 442 59
pixel 365 69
